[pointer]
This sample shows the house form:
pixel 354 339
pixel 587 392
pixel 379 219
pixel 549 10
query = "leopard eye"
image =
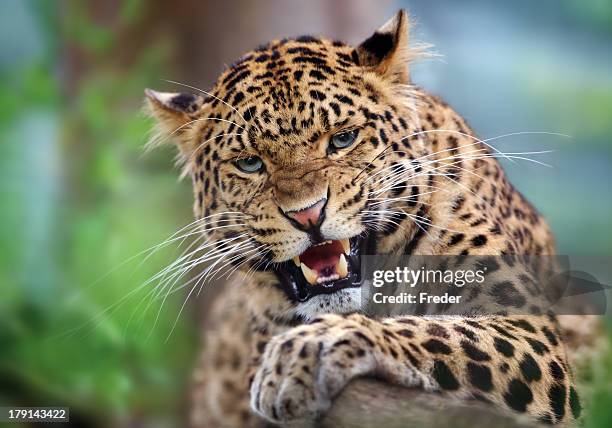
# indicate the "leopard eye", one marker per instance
pixel 344 139
pixel 250 165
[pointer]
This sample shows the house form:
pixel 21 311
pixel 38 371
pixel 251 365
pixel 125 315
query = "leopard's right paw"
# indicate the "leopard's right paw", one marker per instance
pixel 303 369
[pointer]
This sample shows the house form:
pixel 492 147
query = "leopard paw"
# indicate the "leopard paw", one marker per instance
pixel 303 369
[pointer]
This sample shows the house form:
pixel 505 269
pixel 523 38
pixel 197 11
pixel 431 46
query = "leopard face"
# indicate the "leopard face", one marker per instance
pixel 294 156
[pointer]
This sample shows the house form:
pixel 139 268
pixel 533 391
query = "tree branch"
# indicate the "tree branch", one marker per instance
pixel 371 403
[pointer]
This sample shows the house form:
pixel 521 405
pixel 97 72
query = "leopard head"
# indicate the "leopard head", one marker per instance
pixel 299 157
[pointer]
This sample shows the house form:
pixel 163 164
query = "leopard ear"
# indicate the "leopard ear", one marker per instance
pixel 387 50
pixel 171 109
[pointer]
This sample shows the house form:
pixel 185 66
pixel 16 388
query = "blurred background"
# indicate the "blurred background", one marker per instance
pixel 79 198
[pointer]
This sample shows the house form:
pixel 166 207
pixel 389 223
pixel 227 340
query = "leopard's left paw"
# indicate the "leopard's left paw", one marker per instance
pixel 303 369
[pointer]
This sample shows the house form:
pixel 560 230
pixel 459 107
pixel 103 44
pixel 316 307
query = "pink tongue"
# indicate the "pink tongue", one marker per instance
pixel 323 258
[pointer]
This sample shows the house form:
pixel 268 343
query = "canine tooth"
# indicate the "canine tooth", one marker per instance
pixel 342 266
pixel 309 274
pixel 346 246
pixel 297 261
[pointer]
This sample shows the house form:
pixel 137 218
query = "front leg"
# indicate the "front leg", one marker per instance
pixel 303 369
pixel 515 363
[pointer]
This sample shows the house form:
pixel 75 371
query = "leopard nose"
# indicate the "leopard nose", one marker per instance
pixel 309 216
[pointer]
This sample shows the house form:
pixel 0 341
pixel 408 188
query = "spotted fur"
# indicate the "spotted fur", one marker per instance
pixel 267 358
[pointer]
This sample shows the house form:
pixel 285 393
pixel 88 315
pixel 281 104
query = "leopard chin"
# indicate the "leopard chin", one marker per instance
pixel 342 301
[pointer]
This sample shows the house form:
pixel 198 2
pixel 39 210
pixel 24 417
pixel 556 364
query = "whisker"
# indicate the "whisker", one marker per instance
pixel 185 263
pixel 168 279
pixel 162 140
pixel 170 283
pixel 419 163
pixel 201 145
pixel 399 177
pixel 485 141
pixel 177 263
pixel 235 248
pixel 213 96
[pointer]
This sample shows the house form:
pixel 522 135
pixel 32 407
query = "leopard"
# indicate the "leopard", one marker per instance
pixel 308 153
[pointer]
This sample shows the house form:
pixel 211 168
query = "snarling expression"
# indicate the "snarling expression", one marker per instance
pixel 295 154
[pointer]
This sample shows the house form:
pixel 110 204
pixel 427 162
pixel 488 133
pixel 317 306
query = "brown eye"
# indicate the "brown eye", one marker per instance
pixel 343 139
pixel 250 165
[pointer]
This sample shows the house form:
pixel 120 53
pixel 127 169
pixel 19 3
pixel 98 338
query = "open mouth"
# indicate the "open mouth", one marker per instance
pixel 324 268
pixel 324 262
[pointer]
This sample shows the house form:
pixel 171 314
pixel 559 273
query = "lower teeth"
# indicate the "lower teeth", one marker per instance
pixel 326 279
pixel 311 275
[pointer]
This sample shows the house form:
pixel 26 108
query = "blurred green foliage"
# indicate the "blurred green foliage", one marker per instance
pixel 81 199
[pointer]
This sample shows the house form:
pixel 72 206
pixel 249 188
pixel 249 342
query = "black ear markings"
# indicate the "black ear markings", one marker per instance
pixel 175 102
pixel 173 113
pixel 375 48
pixel 188 103
pixel 387 50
